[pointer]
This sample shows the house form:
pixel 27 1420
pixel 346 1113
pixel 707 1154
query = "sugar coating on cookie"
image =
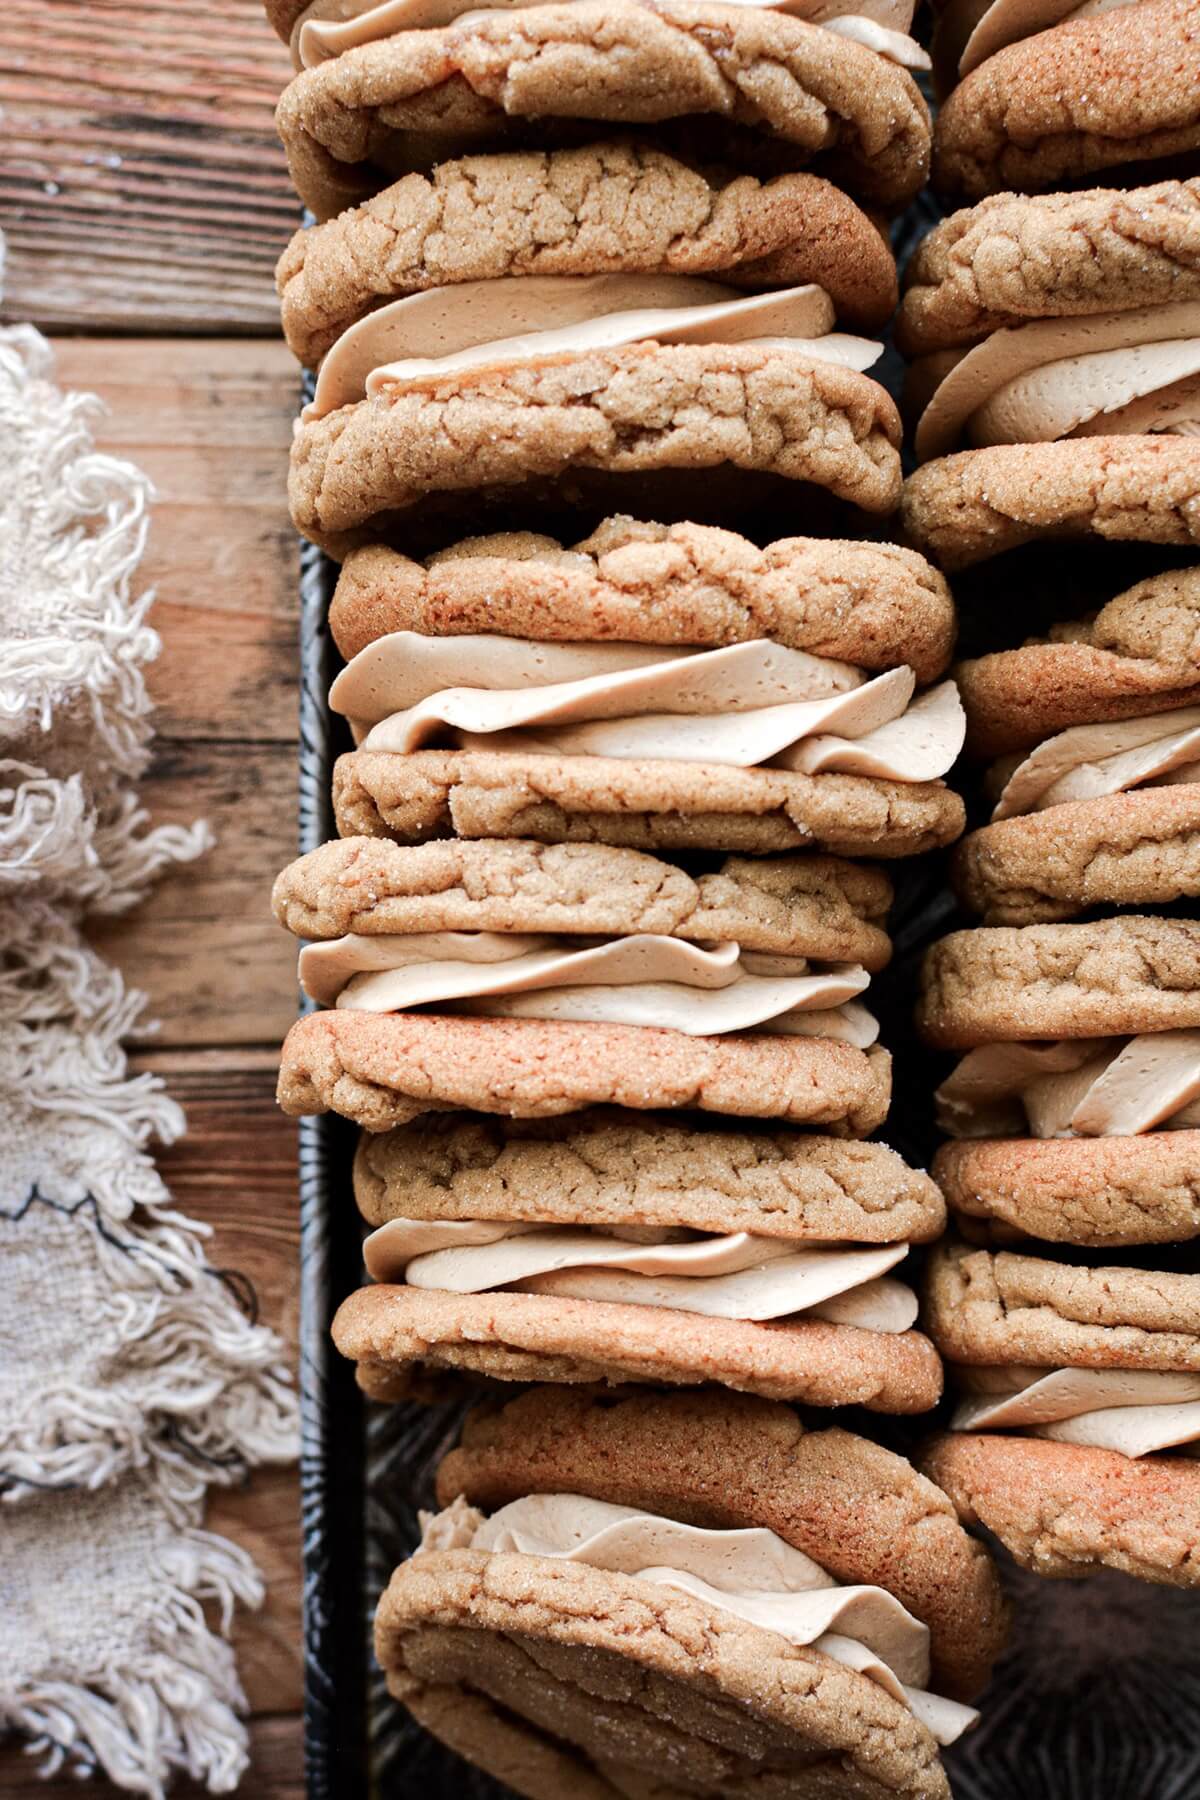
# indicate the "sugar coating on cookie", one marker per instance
pixel 653 408
pixel 1101 978
pixel 807 906
pixel 1117 89
pixel 383 1070
pixel 749 79
pixel 538 1337
pixel 623 206
pixel 1101 1192
pixel 503 1656
pixel 1064 1510
pixel 1139 655
pixel 1133 849
pixel 613 1169
pixel 999 1307
pixel 975 504
pixel 1013 258
pixel 873 604
pixel 643 805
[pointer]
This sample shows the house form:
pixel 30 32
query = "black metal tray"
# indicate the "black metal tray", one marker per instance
pixel 1098 1697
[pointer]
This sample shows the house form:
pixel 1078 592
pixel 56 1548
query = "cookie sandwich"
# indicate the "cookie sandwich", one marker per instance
pixel 528 979
pixel 1095 782
pixel 1074 1438
pixel 616 207
pixel 651 687
pixel 615 1592
pixel 624 1246
pixel 1118 354
pixel 762 88
pixel 527 396
pixel 1074 1106
pixel 1048 94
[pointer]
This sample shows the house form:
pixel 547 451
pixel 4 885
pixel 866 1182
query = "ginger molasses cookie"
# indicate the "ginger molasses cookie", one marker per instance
pixel 1115 90
pixel 1138 656
pixel 610 1168
pixel 751 84
pixel 625 1247
pixel 964 508
pixel 1139 848
pixel 620 207
pixel 874 605
pixel 784 906
pixel 535 391
pixel 1068 1509
pixel 1104 978
pixel 1014 258
pixel 506 978
pixel 1103 807
pixel 1103 1192
pixel 999 1309
pixel 706 1624
pixel 640 736
pixel 854 1506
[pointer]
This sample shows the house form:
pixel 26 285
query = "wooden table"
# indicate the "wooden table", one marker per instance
pixel 145 200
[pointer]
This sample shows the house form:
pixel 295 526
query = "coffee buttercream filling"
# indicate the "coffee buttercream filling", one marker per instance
pixel 754 704
pixel 329 29
pixel 1132 1411
pixel 452 332
pixel 1088 762
pixel 732 1276
pixel 643 979
pixel 1132 372
pixel 1088 1087
pixel 752 1574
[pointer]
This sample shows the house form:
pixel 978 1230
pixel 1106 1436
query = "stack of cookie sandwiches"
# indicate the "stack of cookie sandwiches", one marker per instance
pixel 520 320
pixel 1059 335
pixel 571 256
pixel 639 704
pixel 553 1238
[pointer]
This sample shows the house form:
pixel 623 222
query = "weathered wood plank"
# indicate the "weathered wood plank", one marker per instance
pixel 142 185
pixel 210 423
pixel 204 946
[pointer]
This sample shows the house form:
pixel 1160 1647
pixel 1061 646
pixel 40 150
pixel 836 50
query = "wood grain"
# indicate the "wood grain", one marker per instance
pixel 210 421
pixel 142 185
pixel 143 191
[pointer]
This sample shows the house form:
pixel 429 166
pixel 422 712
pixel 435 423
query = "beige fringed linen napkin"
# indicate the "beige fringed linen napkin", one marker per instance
pixel 131 1380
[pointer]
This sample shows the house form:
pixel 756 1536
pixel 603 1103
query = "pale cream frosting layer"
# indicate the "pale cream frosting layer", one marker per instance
pixel 643 979
pixel 976 29
pixel 480 324
pixel 742 706
pixel 1090 761
pixel 329 30
pixel 1091 1087
pixel 1132 1411
pixel 735 1276
pixel 1054 378
pixel 752 1574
